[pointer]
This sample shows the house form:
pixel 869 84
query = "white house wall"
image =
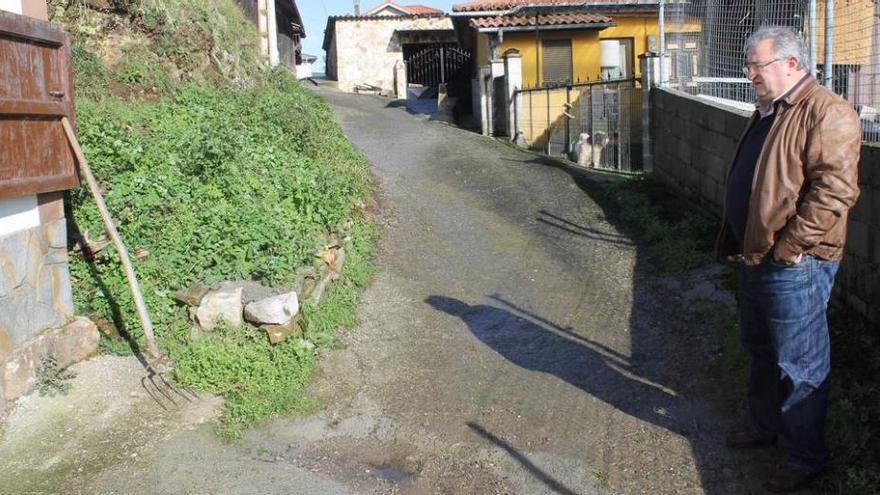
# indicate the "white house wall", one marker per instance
pixel 13 6
pixel 366 50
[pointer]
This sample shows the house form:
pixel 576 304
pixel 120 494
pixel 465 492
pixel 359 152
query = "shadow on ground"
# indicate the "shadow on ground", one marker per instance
pixel 669 379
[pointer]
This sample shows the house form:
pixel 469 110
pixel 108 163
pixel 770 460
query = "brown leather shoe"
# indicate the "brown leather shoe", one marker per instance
pixel 747 439
pixel 791 479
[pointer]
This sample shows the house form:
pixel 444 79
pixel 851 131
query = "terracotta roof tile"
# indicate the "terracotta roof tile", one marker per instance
pixel 422 9
pixel 490 5
pixel 545 20
pixel 409 9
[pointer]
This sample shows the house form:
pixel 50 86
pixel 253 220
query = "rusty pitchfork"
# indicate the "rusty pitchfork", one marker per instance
pixel 156 383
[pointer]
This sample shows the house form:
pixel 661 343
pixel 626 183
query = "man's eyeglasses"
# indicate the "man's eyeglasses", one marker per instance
pixel 755 66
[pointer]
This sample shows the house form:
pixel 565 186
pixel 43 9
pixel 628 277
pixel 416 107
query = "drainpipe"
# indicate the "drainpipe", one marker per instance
pixel 661 22
pixel 828 75
pixel 537 49
pixel 814 34
pixel 272 29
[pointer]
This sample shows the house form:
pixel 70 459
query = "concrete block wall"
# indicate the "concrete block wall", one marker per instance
pixel 859 275
pixel 694 141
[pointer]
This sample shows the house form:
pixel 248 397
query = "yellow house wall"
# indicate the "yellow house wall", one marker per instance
pixel 542 112
pixel 584 44
pixel 584 53
pixel 853 25
pixel 483 50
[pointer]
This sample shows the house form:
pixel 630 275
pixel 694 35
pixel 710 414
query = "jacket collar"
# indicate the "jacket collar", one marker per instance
pixel 801 89
pixel 796 93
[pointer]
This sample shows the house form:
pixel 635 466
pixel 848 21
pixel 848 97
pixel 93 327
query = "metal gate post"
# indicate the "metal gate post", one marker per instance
pixel 531 121
pixel 617 128
pixel 647 65
pixel 549 126
pixel 442 65
pixel 566 114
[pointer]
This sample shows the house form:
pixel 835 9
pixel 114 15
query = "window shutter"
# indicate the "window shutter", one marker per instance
pixel 557 61
pixel 36 91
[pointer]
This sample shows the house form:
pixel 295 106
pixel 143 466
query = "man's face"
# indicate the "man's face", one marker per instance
pixel 769 76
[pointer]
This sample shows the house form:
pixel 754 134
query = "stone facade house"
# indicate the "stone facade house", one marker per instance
pixel 368 50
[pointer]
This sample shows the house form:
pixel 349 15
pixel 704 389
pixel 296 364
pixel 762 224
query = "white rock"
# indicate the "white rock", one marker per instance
pixel 275 310
pixel 220 305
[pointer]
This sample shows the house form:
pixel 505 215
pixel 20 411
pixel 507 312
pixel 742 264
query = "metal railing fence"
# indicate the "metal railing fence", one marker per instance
pixel 596 124
pixel 704 47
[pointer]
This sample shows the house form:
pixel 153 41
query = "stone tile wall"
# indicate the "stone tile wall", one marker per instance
pixel 34 282
pixel 35 297
pixel 694 140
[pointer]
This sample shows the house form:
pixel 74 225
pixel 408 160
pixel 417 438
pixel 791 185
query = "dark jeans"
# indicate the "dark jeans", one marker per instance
pixel 785 330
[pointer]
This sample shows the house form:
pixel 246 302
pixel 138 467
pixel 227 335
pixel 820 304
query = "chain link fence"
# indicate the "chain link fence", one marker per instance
pixel 596 124
pixel 704 48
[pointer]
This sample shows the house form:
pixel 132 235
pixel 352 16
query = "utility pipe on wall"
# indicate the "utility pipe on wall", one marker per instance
pixel 272 30
pixel 828 73
pixel 537 49
pixel 661 22
pixel 813 36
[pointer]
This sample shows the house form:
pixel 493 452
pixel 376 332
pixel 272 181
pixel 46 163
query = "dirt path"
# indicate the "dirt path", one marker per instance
pixel 514 341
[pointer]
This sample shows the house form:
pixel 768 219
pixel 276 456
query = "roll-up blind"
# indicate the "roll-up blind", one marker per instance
pixel 557 61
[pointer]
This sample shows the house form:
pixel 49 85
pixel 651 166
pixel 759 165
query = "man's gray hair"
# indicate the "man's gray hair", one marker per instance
pixel 786 43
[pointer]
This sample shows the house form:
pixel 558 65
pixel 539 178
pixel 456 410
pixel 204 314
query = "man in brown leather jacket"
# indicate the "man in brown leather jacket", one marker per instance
pixel 791 185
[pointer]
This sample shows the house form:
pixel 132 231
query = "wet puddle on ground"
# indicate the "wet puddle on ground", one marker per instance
pixel 392 474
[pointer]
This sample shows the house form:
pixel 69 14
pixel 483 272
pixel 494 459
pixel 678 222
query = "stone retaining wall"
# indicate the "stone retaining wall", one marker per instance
pixel 695 139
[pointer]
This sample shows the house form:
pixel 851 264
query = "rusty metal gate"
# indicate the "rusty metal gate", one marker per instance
pixel 436 63
pixel 36 90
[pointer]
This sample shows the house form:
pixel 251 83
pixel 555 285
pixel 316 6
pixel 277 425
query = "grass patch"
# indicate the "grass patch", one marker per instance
pixel 215 168
pixel 854 413
pixel 149 47
pixel 675 239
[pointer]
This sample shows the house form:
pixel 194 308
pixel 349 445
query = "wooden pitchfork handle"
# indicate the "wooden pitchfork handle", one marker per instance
pixel 147 325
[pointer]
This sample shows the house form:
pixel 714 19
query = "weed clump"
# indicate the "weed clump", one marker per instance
pixel 52 379
pixel 676 239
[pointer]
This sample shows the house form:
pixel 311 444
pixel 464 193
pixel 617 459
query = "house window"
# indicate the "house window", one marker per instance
pixel 557 61
pixel 684 53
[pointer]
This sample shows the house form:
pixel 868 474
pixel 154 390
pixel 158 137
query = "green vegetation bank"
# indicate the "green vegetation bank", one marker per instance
pixel 215 168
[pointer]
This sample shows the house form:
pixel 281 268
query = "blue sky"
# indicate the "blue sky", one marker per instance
pixel 315 13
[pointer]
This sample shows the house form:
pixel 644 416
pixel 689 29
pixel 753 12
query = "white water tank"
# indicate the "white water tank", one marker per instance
pixel 609 51
pixel 609 58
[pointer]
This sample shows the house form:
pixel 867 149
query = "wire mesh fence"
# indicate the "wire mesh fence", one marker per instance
pixel 705 38
pixel 596 124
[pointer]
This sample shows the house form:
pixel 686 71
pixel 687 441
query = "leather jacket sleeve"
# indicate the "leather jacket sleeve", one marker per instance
pixel 831 181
